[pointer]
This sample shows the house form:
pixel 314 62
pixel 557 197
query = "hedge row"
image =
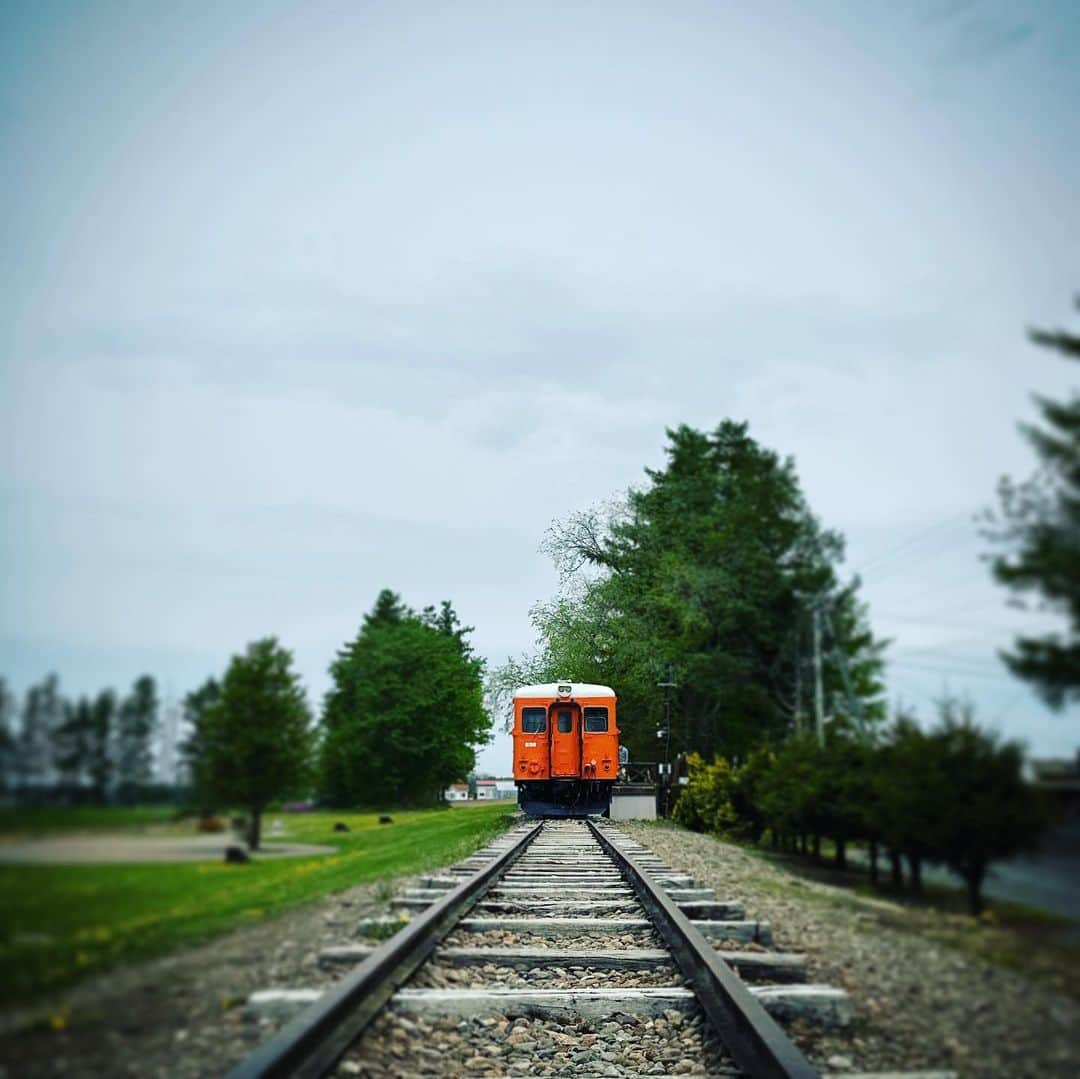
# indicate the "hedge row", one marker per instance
pixel 953 795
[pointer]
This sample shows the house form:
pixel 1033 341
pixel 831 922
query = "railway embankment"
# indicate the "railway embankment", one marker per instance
pixel 930 990
pixel 182 1014
pixel 919 1001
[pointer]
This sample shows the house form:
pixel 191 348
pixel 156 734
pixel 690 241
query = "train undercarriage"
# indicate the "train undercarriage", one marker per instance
pixel 565 798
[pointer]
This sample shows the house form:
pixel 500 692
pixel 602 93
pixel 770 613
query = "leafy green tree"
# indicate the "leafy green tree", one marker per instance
pixel 135 728
pixel 710 566
pixel 257 733
pixel 405 710
pixel 1039 525
pixel 991 813
pixel 196 706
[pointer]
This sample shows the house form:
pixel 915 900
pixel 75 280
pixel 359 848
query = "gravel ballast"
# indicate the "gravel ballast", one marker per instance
pixel 435 975
pixel 506 938
pixel 672 1044
pixel 918 1004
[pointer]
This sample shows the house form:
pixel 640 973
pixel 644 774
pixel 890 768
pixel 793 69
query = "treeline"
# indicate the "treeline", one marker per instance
pixel 953 795
pixel 399 723
pixel 715 575
pixel 93 749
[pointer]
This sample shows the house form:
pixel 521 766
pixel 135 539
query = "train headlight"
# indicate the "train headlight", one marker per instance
pixel 565 690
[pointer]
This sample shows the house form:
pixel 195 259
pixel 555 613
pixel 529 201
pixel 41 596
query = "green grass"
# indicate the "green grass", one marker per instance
pixel 16 823
pixel 61 923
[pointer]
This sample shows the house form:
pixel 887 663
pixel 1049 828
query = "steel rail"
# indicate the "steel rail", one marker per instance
pixel 752 1037
pixel 312 1043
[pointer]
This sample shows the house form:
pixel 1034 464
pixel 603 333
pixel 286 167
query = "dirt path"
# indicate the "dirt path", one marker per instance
pixel 109 849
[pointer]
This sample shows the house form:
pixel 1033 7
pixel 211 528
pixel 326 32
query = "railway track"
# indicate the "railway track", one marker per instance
pixel 562 948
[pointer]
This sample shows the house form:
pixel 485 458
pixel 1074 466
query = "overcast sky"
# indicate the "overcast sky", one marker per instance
pixel 301 301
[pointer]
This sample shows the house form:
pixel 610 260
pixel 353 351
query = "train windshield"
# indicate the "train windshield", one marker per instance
pixel 595 720
pixel 533 720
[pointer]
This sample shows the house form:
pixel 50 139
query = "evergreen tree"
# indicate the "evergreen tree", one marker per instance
pixel 99 758
pixel 1039 523
pixel 43 713
pixel 72 743
pixel 196 707
pixel 388 611
pixel 991 812
pixel 134 737
pixel 853 664
pixel 8 711
pixel 405 708
pixel 913 793
pixel 257 733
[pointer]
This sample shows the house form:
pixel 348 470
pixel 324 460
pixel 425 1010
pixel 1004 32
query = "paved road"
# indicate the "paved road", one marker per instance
pixel 1049 880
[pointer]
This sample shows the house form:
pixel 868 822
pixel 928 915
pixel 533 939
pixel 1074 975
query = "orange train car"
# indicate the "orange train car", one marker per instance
pixel 566 749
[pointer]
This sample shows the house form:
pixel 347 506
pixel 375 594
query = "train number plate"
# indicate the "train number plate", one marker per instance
pixel 530 745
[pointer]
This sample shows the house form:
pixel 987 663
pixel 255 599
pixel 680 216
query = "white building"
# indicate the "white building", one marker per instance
pixel 490 790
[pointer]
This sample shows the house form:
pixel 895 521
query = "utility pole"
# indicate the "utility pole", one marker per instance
pixel 853 702
pixel 798 672
pixel 667 685
pixel 819 693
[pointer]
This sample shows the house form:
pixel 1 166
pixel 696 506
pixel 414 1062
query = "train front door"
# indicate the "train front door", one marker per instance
pixel 565 728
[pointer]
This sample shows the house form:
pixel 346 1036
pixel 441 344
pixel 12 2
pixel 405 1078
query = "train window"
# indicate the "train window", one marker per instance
pixel 595 720
pixel 533 720
pixel 566 722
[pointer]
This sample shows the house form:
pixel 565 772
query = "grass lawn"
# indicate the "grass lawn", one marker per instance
pixel 60 923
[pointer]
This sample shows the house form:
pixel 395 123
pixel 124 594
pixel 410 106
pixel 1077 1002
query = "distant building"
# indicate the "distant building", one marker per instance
pixel 457 792
pixel 491 790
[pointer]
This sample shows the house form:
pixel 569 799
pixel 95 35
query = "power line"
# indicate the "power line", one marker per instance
pixel 952 583
pixel 923 620
pixel 937 649
pixel 1002 677
pixel 892 553
pixel 967 659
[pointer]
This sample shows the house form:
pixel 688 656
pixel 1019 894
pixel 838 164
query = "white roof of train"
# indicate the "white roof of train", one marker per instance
pixel 551 689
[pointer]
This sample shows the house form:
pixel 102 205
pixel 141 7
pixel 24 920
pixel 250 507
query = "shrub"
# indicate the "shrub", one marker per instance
pixel 705 802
